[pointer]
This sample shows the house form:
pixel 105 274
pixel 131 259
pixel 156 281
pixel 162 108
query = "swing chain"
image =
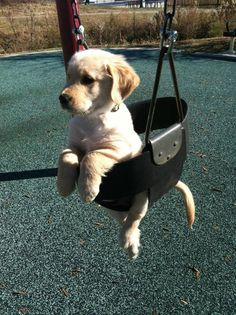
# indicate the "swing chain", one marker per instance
pixel 170 15
pixel 78 27
pixel 168 36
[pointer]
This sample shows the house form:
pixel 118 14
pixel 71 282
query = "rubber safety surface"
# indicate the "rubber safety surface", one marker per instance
pixel 60 256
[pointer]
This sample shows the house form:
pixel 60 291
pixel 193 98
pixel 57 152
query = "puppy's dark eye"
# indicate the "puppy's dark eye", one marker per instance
pixel 87 80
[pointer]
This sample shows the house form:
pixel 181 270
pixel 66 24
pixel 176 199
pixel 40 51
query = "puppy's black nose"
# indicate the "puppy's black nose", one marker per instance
pixel 65 100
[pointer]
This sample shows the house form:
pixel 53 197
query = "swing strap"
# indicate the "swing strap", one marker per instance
pixel 29 174
pixel 168 37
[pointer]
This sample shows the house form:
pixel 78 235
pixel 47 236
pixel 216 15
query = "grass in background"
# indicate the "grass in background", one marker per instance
pixel 34 26
pixel 25 27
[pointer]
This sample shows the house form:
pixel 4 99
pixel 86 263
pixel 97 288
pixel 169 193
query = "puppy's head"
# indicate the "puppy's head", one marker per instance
pixel 96 82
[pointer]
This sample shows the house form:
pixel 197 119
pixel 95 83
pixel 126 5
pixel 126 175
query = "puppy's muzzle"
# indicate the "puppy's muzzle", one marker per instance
pixel 65 101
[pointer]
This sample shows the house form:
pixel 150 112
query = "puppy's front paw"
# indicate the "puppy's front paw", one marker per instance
pixel 130 240
pixel 88 194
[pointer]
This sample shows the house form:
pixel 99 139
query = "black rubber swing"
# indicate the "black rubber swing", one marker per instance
pixel 159 167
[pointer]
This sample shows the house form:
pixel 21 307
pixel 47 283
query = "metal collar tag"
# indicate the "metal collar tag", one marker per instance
pixel 115 108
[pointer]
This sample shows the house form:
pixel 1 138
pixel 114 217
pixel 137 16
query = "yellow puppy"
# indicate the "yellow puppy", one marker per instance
pixel 101 134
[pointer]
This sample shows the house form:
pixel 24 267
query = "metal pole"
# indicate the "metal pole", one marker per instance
pixel 66 25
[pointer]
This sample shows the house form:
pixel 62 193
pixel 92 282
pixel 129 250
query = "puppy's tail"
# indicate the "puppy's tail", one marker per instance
pixel 188 202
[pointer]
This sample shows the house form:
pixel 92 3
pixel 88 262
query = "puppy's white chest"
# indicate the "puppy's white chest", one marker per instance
pixel 84 133
pixel 112 129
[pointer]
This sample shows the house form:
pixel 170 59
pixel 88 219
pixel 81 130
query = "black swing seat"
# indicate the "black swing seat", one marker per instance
pixel 159 167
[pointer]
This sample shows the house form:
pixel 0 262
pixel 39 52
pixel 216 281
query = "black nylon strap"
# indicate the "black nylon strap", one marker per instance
pixel 29 174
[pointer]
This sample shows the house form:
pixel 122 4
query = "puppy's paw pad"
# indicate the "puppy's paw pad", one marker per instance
pixel 133 253
pixel 130 240
pixel 129 237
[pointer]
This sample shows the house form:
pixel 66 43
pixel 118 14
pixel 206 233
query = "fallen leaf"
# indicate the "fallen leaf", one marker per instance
pixel 216 227
pixel 65 292
pixel 75 272
pixel 49 219
pixel 199 154
pixel 228 258
pixel 166 229
pixel 24 310
pixel 216 189
pixel 99 224
pixel 20 293
pixel 197 272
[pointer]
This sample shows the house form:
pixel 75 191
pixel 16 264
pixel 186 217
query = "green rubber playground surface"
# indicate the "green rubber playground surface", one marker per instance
pixel 60 256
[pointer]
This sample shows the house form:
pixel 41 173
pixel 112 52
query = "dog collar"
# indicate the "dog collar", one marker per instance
pixel 115 108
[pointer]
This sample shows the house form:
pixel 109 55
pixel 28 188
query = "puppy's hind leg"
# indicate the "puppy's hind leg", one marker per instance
pixel 67 172
pixel 188 201
pixel 130 233
pixel 119 216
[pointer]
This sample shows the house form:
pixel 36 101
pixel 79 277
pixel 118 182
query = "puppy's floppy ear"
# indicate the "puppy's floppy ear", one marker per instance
pixel 124 78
